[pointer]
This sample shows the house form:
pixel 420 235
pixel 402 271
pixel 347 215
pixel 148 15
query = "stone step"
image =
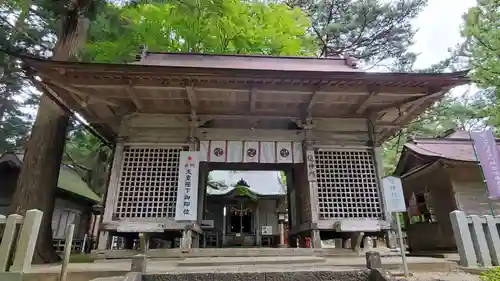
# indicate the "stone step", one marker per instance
pixel 351 275
pixel 233 252
pixel 276 260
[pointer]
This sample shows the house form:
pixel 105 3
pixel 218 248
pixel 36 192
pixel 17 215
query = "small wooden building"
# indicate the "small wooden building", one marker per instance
pixel 440 175
pixel 245 216
pixel 73 203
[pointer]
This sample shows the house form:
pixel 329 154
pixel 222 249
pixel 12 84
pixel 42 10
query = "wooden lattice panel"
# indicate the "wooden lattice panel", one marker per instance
pixel 347 185
pixel 148 182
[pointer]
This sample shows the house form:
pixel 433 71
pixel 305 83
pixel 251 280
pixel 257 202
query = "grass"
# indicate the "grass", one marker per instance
pixel 81 258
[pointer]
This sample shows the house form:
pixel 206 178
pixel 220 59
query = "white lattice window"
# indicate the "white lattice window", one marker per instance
pixel 148 182
pixel 347 185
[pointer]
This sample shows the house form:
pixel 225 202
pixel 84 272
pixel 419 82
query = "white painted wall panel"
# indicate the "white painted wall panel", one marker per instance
pixel 298 155
pixel 235 151
pixel 204 146
pixel 267 152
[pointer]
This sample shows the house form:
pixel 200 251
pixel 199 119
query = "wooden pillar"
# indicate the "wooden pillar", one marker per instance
pixel 187 239
pixel 104 242
pixel 316 238
pixel 114 180
pixel 282 233
pixel 313 196
pixel 258 239
pixel 292 202
pixel 224 225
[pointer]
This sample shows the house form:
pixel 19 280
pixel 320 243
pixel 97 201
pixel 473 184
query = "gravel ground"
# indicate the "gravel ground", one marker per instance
pixel 442 276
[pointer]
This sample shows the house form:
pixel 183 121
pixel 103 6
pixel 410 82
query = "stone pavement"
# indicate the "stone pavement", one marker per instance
pixel 443 276
pixel 269 264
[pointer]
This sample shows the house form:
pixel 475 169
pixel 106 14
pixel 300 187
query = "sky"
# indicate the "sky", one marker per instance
pixel 438 29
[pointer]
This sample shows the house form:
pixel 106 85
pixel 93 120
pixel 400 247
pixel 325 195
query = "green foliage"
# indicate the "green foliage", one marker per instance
pixel 371 31
pixel 491 274
pixel 282 182
pixel 482 30
pixel 463 112
pixel 212 26
pixel 90 157
pixel 15 36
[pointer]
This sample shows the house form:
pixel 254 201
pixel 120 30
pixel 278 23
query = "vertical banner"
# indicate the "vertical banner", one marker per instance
pixel 311 165
pixel 487 154
pixel 186 208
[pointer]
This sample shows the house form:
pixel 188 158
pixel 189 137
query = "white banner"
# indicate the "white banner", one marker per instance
pixel 187 191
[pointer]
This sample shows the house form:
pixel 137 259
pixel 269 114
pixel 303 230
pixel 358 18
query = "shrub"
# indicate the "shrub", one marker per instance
pixel 491 274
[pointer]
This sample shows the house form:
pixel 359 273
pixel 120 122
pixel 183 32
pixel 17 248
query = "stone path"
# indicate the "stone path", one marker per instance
pixel 265 263
pixel 443 276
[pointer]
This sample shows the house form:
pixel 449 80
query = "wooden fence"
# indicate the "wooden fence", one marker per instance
pixel 18 243
pixel 477 238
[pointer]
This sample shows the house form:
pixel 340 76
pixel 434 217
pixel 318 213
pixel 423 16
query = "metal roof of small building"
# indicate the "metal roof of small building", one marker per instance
pixel 457 146
pixel 69 180
pixel 422 152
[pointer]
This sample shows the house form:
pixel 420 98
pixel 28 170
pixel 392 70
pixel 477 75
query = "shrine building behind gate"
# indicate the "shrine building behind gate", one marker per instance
pixel 176 116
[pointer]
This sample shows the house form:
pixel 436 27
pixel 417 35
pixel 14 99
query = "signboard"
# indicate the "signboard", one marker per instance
pixel 393 194
pixel 266 230
pixel 140 227
pixel 487 154
pixel 186 208
pixel 395 202
pixel 311 165
pixel 360 225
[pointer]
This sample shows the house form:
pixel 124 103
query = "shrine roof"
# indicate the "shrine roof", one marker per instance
pixel 238 85
pixel 262 183
pixel 456 146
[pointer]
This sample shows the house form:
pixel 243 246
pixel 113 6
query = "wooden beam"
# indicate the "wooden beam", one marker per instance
pixel 366 102
pixel 245 86
pixel 80 101
pixel 403 118
pixel 79 92
pixel 312 101
pixel 252 100
pixel 135 99
pixel 395 105
pixel 193 99
pixel 416 105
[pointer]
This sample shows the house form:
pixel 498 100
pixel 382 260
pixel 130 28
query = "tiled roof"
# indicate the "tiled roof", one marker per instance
pixel 457 146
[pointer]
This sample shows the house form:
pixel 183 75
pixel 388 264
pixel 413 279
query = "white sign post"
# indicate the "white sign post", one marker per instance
pixel 186 208
pixel 395 202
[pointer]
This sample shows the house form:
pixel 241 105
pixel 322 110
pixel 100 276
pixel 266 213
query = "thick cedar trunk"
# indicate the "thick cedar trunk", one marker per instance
pixel 37 182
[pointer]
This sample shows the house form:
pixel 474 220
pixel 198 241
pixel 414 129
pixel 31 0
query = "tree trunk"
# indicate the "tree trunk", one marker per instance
pixel 37 182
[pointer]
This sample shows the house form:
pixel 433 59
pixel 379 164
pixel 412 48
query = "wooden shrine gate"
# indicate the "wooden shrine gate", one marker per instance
pixel 320 119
